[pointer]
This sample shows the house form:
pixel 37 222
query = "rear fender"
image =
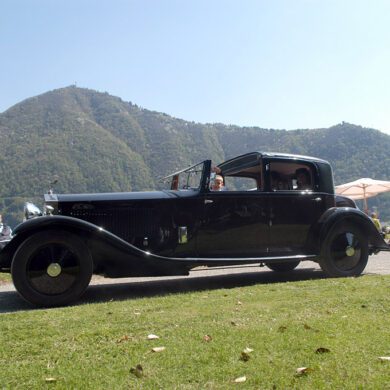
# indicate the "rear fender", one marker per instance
pixel 347 215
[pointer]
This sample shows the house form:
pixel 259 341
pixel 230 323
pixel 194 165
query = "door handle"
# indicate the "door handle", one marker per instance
pixel 208 201
pixel 318 199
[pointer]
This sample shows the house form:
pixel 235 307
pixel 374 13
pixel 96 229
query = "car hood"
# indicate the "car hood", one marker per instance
pixel 111 196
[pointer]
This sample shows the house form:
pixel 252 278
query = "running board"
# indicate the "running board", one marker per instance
pixel 266 259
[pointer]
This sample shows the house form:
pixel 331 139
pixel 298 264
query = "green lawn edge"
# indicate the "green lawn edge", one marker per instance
pixel 336 328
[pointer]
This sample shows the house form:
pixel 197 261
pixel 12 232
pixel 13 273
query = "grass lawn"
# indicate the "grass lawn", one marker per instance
pixel 337 328
pixel 5 278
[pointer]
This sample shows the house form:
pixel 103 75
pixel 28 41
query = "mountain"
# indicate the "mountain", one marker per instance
pixel 95 142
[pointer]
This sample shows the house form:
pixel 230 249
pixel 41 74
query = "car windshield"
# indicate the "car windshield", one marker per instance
pixel 186 179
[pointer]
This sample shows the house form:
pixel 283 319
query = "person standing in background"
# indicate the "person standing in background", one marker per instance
pixel 377 223
pixel 5 233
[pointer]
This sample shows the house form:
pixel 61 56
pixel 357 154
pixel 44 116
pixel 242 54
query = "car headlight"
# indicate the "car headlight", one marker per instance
pixel 31 211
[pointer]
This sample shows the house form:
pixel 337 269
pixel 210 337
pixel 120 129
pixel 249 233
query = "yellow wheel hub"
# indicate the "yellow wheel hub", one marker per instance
pixel 53 270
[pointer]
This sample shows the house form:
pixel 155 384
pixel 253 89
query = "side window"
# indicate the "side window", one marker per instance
pixel 245 179
pixel 291 176
pixel 240 183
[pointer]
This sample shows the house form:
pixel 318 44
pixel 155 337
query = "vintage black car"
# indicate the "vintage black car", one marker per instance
pixel 275 209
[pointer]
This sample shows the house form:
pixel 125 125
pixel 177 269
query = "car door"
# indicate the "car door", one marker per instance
pixel 293 211
pixel 234 224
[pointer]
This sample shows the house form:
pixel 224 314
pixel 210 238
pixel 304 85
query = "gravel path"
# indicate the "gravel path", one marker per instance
pixel 104 290
pixel 377 264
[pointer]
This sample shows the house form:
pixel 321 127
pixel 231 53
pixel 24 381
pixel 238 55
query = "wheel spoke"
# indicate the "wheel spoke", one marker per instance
pixel 350 238
pixel 52 255
pixel 356 243
pixel 64 253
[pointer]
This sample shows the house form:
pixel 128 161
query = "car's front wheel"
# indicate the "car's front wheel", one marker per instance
pixel 51 268
pixel 344 251
pixel 283 267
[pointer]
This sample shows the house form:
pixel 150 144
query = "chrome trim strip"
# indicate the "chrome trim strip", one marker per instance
pixel 252 259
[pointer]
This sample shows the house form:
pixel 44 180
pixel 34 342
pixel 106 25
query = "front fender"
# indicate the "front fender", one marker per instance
pixel 55 221
pixel 88 231
pixel 98 240
pixel 34 225
pixel 340 215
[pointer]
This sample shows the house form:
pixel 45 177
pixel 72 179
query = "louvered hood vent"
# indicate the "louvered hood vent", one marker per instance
pixel 125 223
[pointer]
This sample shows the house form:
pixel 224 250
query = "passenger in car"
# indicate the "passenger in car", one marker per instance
pixel 303 179
pixel 277 183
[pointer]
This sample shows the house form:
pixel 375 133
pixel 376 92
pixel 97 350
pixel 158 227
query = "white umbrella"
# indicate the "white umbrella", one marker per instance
pixel 363 189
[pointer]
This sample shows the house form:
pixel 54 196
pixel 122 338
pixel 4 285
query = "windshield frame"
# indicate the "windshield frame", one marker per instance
pixel 174 178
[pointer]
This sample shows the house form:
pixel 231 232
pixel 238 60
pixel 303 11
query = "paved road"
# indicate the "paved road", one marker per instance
pixel 103 290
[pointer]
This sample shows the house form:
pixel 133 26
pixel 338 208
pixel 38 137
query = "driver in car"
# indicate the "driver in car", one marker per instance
pixel 217 183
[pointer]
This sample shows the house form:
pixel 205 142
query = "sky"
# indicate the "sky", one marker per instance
pixel 281 64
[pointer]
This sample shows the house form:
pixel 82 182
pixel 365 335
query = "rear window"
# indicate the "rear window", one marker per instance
pixel 291 176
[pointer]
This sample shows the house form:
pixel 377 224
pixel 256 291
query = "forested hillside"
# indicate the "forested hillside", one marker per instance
pixel 94 142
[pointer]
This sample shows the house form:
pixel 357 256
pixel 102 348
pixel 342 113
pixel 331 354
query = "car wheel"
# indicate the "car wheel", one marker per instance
pixel 283 267
pixel 344 251
pixel 51 268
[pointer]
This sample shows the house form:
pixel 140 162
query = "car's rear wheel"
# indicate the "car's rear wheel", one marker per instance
pixel 344 251
pixel 51 268
pixel 283 267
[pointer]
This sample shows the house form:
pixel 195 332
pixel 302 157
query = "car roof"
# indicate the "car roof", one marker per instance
pixel 293 156
pixel 257 155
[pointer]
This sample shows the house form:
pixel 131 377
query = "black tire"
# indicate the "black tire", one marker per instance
pixel 344 251
pixel 59 253
pixel 283 267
